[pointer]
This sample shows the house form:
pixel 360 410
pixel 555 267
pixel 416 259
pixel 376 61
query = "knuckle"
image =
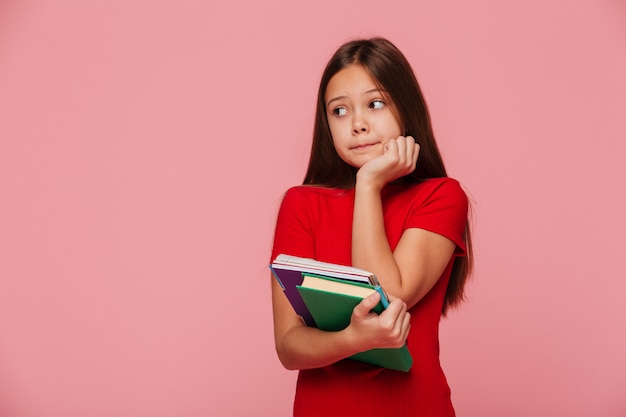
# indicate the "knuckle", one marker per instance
pixel 386 325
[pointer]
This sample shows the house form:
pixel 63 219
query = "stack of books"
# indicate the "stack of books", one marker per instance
pixel 324 295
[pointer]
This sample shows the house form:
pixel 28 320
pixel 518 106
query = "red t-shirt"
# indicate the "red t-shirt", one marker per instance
pixel 316 223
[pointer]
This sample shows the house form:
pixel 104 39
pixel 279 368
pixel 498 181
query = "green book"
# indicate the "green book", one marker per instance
pixel 331 301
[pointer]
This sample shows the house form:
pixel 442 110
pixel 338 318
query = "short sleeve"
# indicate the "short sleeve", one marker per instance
pixel 443 211
pixel 293 234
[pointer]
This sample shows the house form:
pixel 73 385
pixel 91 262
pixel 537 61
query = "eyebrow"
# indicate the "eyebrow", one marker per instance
pixel 373 90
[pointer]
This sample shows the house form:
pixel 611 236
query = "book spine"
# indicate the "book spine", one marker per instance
pixel 384 300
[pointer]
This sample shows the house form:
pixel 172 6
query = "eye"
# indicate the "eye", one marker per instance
pixel 376 104
pixel 340 111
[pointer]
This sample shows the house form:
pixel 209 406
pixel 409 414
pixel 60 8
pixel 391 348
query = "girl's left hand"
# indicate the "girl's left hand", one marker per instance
pixel 399 158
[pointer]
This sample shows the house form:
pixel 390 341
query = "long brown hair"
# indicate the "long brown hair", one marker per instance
pixel 393 74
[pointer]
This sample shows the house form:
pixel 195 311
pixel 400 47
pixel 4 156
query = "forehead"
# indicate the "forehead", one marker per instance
pixel 351 80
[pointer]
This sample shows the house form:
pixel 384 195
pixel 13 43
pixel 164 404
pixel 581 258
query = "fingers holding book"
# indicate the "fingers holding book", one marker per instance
pixel 387 330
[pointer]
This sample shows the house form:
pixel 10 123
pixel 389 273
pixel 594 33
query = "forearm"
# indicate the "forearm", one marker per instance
pixel 304 347
pixel 370 248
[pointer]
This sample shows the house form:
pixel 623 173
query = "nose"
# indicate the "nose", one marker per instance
pixel 359 125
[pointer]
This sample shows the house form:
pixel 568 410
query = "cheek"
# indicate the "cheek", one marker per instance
pixel 337 132
pixel 395 127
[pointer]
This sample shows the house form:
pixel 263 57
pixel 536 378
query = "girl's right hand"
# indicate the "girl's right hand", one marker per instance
pixel 369 330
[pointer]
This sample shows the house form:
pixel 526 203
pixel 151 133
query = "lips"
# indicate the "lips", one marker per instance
pixel 364 146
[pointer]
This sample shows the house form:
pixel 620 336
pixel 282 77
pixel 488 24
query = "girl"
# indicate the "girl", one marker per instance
pixel 368 202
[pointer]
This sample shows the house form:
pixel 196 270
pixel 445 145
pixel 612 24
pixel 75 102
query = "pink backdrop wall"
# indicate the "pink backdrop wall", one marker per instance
pixel 144 148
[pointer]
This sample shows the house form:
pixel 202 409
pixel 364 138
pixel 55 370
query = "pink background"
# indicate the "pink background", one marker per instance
pixel 145 146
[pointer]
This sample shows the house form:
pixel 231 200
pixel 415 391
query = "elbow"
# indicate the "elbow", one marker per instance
pixel 289 366
pixel 286 359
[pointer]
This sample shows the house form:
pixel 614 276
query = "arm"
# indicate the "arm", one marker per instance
pixel 302 347
pixel 420 256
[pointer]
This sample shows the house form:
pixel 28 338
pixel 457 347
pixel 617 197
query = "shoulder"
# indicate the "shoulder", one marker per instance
pixel 447 188
pixel 307 193
pixel 435 190
pixel 307 190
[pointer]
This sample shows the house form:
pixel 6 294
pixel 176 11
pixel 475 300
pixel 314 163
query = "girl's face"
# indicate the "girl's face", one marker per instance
pixel 359 115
